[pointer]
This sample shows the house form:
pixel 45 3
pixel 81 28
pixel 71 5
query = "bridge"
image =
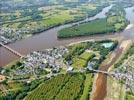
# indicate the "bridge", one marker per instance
pixel 11 50
pixel 126 78
pixel 101 71
pixel 129 78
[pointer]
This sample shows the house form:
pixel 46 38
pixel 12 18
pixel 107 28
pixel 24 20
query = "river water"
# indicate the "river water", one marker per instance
pixel 48 39
pixel 100 83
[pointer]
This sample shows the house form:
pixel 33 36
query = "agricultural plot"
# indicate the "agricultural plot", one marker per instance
pixel 57 19
pixel 86 56
pixel 129 97
pixel 98 26
pixel 69 87
pixel 22 23
pixel 87 87
pixel 114 22
pixel 81 61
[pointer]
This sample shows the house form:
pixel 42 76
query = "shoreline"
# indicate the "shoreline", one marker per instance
pixel 101 78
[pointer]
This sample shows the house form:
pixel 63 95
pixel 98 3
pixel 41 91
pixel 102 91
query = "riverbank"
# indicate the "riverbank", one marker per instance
pixel 101 79
pixel 42 41
pixel 110 24
pixel 18 29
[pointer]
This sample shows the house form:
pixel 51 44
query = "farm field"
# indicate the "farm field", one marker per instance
pixel 98 26
pixel 112 23
pixel 69 87
pixel 87 87
pixel 90 28
pixel 55 74
pixel 66 49
pixel 130 97
pixel 22 23
pixel 82 60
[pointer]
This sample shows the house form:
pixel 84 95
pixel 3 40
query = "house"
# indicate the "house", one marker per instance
pixel 90 65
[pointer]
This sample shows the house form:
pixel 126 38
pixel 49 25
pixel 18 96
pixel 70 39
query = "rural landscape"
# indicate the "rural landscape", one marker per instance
pixel 66 49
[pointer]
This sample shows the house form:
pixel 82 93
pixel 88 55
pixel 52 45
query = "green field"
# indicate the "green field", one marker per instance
pixel 130 97
pixel 69 87
pixel 98 26
pixel 87 87
pixel 86 56
pixel 57 19
pixel 81 61
pixel 114 22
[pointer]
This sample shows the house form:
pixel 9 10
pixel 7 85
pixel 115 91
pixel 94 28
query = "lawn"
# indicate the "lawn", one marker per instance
pixel 97 26
pixel 78 63
pixel 86 56
pixel 81 61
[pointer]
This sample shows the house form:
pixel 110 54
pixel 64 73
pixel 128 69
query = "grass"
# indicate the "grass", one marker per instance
pixel 56 19
pixel 93 27
pixel 86 56
pixel 87 87
pixel 79 63
pixel 15 85
pixel 130 97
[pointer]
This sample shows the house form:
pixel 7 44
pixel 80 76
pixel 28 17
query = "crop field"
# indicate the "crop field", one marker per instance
pixel 87 87
pixel 69 87
pixel 15 85
pixel 81 61
pixel 44 16
pixel 56 19
pixel 112 23
pixel 98 26
pixel 130 97
pixel 86 56
pixel 34 20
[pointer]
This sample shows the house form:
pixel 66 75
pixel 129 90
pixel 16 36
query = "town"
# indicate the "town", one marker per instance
pixel 66 49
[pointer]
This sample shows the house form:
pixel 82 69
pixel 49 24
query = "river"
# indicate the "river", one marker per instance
pixel 46 39
pixel 100 82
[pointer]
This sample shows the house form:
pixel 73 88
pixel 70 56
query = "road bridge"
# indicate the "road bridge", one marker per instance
pixel 11 50
pixel 119 76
